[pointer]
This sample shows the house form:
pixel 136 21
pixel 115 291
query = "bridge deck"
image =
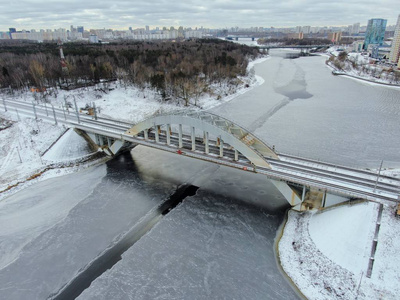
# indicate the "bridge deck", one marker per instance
pixel 344 181
pixel 339 179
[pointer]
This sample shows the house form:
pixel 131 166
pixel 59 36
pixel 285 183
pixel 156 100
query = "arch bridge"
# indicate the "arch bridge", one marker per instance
pixel 206 136
pixel 226 135
pixel 197 134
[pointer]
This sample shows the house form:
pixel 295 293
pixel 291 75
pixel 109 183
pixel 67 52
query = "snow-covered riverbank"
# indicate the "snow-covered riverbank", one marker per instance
pixel 361 67
pixel 327 254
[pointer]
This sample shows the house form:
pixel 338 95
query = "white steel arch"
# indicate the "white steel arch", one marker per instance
pixel 236 136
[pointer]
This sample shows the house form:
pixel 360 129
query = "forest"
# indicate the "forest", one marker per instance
pixel 176 69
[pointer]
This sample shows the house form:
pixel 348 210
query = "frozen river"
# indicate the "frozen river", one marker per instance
pixel 212 244
pixel 216 244
pixel 302 109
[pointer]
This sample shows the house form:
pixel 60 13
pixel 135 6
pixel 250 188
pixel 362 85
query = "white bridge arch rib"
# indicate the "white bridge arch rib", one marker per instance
pixel 236 136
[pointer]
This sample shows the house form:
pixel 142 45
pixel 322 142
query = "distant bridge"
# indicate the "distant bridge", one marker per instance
pixel 303 48
pixel 202 135
pixel 242 36
pixel 294 46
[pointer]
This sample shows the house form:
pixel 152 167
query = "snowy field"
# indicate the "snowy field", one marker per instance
pixel 24 140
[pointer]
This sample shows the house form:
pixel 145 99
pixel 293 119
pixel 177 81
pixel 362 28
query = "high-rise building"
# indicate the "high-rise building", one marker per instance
pixel 296 35
pixel 335 37
pixel 356 28
pixel 350 29
pixel 11 31
pixel 375 32
pixel 80 29
pixel 395 50
pixel 93 39
pixel 306 29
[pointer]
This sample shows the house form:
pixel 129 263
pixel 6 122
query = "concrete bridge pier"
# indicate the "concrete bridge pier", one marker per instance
pixel 110 146
pixel 303 198
pixel 290 194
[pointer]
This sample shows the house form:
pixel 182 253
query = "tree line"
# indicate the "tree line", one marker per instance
pixel 179 70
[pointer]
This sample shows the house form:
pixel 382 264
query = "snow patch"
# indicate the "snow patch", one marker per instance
pixel 326 254
pixel 345 235
pixel 71 146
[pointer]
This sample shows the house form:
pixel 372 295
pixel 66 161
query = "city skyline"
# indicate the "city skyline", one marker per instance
pixel 33 14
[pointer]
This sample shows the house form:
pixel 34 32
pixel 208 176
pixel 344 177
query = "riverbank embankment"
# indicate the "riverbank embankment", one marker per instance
pixel 326 254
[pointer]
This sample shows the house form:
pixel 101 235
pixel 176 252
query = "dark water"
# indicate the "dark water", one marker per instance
pixel 209 243
pixel 209 247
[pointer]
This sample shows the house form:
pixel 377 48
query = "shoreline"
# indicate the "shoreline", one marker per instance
pixel 278 237
pixel 53 171
pixel 335 72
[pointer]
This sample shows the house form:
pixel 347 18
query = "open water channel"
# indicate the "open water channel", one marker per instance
pixel 217 243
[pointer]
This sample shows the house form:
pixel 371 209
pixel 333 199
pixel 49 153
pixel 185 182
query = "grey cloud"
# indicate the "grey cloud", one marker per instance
pixel 208 13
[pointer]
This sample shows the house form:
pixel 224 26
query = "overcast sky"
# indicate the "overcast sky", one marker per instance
pixel 121 14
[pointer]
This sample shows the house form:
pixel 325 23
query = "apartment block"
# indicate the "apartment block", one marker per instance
pixel 395 49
